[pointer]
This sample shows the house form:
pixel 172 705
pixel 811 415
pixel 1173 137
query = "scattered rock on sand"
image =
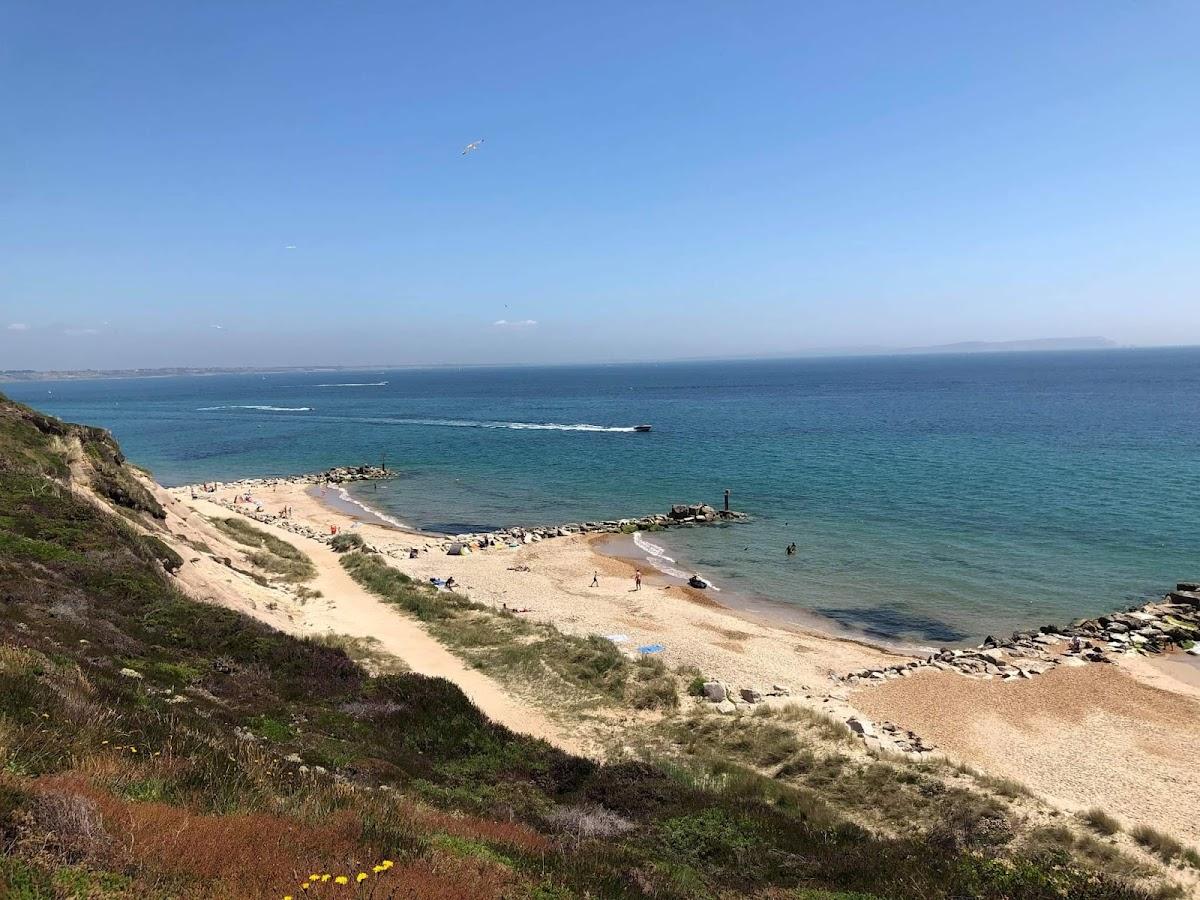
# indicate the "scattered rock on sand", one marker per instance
pixel 714 691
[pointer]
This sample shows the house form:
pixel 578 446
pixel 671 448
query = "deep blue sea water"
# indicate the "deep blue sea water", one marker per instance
pixel 932 498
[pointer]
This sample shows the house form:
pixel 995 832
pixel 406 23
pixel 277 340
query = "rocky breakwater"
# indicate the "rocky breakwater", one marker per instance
pixel 1161 625
pixel 681 515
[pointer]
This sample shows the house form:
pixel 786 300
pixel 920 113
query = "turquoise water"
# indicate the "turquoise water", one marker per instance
pixel 932 498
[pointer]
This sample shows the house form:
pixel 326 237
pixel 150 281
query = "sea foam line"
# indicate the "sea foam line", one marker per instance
pixel 344 496
pixel 356 384
pixel 265 408
pixel 657 557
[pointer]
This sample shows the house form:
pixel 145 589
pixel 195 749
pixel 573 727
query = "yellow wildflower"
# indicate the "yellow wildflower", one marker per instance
pixel 361 877
pixel 325 877
pixel 378 869
pixel 287 897
pixel 314 877
pixel 341 879
pixel 133 749
pixel 387 863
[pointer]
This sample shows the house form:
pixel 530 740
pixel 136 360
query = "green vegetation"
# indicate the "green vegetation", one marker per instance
pixel 1100 821
pixel 591 669
pixel 343 543
pixel 171 561
pixel 269 553
pixel 1164 846
pixel 148 748
pixel 363 650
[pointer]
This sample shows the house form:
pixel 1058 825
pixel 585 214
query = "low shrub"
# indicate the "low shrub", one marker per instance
pixel 1158 843
pixel 272 554
pixel 586 821
pixel 1100 821
pixel 343 543
pixel 171 561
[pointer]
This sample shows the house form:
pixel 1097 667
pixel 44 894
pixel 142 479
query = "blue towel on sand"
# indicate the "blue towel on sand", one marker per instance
pixel 652 648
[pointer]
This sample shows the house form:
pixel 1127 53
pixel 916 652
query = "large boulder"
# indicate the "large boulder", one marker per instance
pixel 714 691
pixel 860 726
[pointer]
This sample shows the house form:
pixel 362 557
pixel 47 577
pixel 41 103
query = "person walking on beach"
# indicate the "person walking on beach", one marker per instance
pixel 595 579
pixel 637 580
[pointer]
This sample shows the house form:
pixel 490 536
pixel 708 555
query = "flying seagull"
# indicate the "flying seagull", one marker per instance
pixel 474 145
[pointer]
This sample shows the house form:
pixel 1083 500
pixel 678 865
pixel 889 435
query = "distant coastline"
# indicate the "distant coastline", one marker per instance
pixel 1042 345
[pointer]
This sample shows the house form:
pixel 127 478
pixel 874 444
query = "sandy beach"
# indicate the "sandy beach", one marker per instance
pixel 552 579
pixel 1119 736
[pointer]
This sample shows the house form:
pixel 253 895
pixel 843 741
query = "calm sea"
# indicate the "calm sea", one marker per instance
pixel 931 498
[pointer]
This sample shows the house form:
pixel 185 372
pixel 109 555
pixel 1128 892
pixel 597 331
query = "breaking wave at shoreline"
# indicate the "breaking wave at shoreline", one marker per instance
pixel 657 557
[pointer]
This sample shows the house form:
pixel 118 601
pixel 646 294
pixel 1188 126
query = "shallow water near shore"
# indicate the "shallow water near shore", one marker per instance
pixel 932 499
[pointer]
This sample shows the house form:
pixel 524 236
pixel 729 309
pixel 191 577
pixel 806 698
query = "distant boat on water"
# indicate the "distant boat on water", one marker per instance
pixel 641 427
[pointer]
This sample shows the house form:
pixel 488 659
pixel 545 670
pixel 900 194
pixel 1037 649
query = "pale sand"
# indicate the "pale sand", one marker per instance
pixel 1081 736
pixel 556 588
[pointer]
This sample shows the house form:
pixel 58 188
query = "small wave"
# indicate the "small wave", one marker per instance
pixel 264 408
pixel 355 384
pixel 344 496
pixel 653 549
pixel 657 557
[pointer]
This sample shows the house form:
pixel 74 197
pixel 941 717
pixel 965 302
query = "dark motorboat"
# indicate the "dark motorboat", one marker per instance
pixel 641 427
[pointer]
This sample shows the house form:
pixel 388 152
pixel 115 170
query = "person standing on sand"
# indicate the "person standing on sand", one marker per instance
pixel 595 579
pixel 637 580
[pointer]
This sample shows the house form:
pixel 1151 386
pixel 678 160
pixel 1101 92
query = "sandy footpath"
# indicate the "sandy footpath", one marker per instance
pixel 345 609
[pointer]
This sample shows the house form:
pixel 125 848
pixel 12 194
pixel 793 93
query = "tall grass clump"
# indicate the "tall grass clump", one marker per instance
pixel 270 553
pixel 1100 821
pixel 1162 845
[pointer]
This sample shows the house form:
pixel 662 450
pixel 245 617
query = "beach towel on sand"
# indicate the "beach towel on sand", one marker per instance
pixel 651 648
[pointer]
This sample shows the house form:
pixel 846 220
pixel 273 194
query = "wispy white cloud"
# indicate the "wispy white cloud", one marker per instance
pixel 18 326
pixel 290 247
pixel 80 331
pixel 523 323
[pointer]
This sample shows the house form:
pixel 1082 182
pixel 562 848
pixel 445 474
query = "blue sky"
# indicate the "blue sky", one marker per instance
pixel 657 179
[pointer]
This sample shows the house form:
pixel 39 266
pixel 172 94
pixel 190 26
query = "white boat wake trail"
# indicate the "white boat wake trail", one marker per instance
pixel 264 408
pixel 516 426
